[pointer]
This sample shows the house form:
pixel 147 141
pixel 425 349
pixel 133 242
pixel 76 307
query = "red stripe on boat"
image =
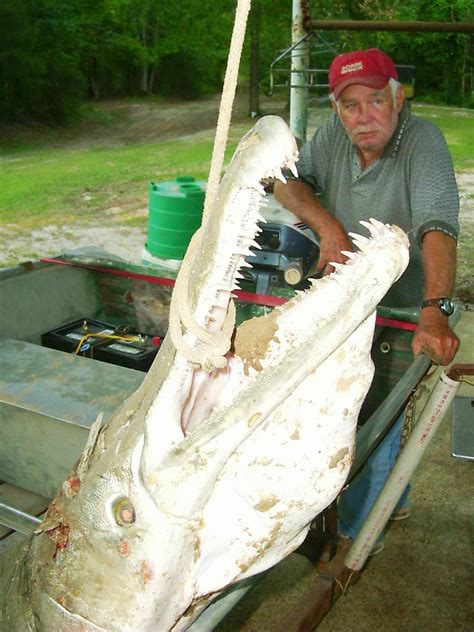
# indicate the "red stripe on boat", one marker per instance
pixel 244 297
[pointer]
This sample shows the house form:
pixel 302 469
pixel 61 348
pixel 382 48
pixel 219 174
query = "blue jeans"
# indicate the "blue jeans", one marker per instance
pixel 357 500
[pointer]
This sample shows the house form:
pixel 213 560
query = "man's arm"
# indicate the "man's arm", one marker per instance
pixel 300 199
pixel 434 335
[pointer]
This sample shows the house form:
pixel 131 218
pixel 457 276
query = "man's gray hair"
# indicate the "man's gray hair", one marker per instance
pixel 394 87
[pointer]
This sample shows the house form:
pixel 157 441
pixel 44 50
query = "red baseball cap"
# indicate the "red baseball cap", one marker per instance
pixel 372 68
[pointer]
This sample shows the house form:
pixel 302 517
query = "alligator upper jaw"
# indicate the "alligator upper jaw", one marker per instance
pixel 201 323
pixel 200 326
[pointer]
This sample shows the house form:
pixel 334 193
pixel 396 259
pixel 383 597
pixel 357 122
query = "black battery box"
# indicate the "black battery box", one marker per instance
pixel 108 343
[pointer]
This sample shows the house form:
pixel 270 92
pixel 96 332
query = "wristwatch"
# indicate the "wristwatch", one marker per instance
pixel 444 303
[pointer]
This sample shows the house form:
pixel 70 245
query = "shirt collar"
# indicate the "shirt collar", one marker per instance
pixel 392 148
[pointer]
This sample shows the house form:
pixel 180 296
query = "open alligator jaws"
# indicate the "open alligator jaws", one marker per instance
pixel 214 468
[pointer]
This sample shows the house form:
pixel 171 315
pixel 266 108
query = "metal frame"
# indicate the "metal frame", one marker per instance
pixel 393 25
pixel 295 51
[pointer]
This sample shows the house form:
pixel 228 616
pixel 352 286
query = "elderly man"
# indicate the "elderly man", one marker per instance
pixel 372 158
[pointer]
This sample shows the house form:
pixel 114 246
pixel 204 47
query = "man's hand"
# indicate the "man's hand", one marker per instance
pixel 434 337
pixel 333 239
pixel 300 199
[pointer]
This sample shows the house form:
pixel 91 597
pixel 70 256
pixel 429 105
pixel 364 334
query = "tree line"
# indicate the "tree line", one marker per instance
pixel 54 54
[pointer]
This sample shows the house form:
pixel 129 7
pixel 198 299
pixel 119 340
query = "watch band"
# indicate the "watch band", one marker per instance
pixel 444 304
pixel 432 302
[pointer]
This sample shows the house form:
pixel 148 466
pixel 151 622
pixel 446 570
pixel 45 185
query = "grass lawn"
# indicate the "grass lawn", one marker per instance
pixel 60 186
pixel 457 126
pixel 50 183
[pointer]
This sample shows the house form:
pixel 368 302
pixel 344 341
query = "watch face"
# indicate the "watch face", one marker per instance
pixel 446 305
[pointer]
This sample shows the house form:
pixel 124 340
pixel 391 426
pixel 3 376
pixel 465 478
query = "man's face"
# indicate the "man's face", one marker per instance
pixel 369 116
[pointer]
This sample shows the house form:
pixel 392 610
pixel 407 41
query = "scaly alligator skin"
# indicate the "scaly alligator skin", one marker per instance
pixel 214 468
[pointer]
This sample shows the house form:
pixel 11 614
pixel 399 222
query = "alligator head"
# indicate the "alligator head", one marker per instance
pixel 214 468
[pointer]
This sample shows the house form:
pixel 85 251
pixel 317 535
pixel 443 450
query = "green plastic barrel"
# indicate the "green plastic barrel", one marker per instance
pixel 174 214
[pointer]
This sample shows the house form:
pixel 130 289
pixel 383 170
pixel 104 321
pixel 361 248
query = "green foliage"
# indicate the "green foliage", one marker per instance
pixel 53 54
pixel 39 62
pixel 186 76
pixel 145 37
pixel 444 61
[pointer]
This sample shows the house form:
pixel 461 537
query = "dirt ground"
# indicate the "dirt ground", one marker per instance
pixel 422 581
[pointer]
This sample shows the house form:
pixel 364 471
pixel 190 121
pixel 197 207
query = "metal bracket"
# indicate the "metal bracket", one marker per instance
pixel 276 72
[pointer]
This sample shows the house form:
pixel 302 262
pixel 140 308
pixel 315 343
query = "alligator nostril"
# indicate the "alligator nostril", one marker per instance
pixel 123 511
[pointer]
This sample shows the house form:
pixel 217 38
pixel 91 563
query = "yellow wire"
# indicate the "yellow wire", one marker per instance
pixel 340 585
pixel 105 336
pixel 346 586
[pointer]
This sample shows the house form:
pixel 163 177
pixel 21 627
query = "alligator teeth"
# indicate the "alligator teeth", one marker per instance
pixel 374 227
pixel 349 254
pixel 339 267
pixel 377 223
pixel 321 281
pixel 279 176
pixel 359 240
pixel 292 167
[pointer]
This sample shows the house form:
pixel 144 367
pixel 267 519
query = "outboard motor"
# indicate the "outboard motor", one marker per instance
pixel 289 249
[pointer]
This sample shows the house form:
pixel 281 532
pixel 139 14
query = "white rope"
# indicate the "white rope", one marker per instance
pixel 227 101
pixel 211 347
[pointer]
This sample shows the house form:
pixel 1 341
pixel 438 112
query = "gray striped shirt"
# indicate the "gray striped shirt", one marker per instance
pixel 411 185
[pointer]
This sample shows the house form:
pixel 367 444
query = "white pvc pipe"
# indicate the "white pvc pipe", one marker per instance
pixel 441 397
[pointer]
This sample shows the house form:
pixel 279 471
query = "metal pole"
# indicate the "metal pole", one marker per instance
pixel 299 74
pixel 254 22
pixel 220 608
pixel 378 424
pixel 369 25
pixel 18 520
pixel 433 413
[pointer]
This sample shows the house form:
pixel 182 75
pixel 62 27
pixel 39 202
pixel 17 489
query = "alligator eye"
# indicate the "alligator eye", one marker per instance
pixel 123 511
